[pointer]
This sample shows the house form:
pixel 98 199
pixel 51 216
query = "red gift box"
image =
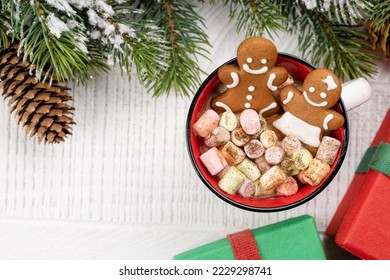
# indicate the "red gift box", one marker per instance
pixel 361 224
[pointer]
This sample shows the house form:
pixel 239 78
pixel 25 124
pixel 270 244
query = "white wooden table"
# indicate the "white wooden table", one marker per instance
pixel 123 186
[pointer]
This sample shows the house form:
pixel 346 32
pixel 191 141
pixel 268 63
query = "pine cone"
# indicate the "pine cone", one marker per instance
pixel 39 106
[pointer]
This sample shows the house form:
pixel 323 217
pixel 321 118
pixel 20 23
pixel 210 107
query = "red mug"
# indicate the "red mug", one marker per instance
pixel 299 69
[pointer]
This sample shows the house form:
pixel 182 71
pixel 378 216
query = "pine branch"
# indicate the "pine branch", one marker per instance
pixel 187 41
pixel 51 46
pixel 256 17
pixel 342 49
pixel 345 12
pixel 4 29
pixel 121 37
pixel 380 15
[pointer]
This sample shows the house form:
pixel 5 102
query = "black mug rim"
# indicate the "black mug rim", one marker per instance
pixel 334 172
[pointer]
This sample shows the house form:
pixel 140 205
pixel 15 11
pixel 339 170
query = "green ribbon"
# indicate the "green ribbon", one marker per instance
pixel 377 158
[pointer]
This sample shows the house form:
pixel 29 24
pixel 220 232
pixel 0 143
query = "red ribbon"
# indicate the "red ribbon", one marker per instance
pixel 244 245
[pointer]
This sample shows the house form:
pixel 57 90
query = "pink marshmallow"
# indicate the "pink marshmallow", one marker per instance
pixel 288 187
pixel 247 189
pixel 214 161
pixel 206 123
pixel 250 122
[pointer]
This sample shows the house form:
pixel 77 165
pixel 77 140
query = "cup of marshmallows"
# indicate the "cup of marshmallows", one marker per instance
pixel 267 131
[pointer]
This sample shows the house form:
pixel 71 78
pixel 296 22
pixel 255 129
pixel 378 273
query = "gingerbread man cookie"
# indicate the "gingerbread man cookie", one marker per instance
pixel 307 113
pixel 250 83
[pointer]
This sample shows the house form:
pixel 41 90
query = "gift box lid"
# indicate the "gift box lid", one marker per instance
pixel 361 223
pixel 292 239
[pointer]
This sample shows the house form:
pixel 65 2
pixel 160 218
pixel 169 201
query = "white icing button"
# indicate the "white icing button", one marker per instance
pixel 247 105
pixel 264 61
pixel 249 97
pixel 251 88
pixel 249 60
pixel 312 89
pixel 323 95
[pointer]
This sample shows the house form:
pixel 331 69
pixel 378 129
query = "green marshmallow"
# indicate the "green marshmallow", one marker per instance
pixel 231 181
pixel 302 158
pixel 249 168
pixel 228 120
pixel 289 166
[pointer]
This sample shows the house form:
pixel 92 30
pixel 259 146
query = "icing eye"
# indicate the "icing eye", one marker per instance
pixel 323 95
pixel 251 88
pixel 247 105
pixel 263 61
pixel 312 89
pixel 249 60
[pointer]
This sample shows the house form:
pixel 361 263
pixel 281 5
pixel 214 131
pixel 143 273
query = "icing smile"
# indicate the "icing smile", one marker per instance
pixel 262 70
pixel 322 104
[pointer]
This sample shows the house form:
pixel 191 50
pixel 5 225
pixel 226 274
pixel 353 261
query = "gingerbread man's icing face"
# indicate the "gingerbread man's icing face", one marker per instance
pixel 307 113
pixel 251 82
pixel 258 57
pixel 321 89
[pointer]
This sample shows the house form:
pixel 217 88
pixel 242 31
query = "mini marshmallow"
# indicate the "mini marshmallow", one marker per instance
pixel 249 169
pixel 316 171
pixel 206 123
pixel 254 149
pixel 302 158
pixel 239 137
pixel 288 187
pixel 228 120
pixel 262 164
pixel 327 151
pixel 274 155
pixel 291 144
pixel 273 177
pixel 232 180
pixel 249 120
pixel 219 136
pixel 268 138
pixel 232 153
pixel 247 189
pixel 263 193
pixel 214 161
pixel 289 166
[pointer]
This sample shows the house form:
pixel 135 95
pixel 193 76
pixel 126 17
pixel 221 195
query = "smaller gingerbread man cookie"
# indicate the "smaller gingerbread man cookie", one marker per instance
pixel 307 113
pixel 250 83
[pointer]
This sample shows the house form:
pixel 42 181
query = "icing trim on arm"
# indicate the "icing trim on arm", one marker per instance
pixel 269 107
pixel 330 82
pixel 223 105
pixel 270 82
pixel 289 97
pixel 327 119
pixel 322 104
pixel 235 79
pixel 247 69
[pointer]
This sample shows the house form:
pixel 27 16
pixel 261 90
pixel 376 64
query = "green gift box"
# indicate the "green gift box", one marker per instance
pixel 292 239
